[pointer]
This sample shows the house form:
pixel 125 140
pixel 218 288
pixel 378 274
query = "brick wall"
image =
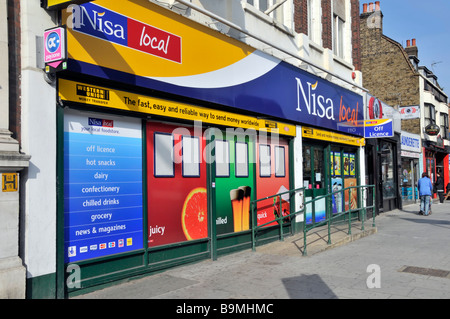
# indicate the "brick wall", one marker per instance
pixel 387 71
pixel 14 67
pixel 327 22
pixel 356 45
pixel 301 16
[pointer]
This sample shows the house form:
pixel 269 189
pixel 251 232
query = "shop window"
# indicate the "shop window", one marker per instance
pixel 444 126
pixel 191 156
pixel 388 171
pixel 163 155
pixel 430 114
pixel 280 169
pixel 241 163
pixel 222 158
pixel 307 178
pixel 264 160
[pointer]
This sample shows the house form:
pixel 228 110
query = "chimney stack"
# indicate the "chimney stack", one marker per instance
pixel 377 5
pixel 372 15
pixel 367 8
pixel 412 50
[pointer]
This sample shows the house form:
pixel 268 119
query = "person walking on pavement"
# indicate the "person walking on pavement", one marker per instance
pixel 440 187
pixel 425 190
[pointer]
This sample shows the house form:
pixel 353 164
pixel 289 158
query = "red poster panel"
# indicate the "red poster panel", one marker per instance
pixel 272 177
pixel 176 172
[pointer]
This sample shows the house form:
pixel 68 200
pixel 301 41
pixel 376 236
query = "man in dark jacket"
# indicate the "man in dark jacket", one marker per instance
pixel 439 184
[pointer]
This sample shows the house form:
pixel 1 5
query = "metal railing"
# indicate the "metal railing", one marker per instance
pixel 286 217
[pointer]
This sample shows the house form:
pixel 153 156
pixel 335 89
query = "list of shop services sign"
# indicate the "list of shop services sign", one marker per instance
pixel 102 185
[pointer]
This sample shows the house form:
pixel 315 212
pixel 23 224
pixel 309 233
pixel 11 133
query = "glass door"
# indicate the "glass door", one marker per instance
pixel 314 177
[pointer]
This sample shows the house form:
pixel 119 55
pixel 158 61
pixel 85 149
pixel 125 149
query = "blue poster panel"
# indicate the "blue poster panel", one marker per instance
pixel 103 202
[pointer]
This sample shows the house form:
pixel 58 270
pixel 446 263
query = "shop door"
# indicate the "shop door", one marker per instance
pixel 314 181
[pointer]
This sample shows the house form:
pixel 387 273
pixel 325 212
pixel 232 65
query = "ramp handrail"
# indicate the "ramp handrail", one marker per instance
pixel 277 200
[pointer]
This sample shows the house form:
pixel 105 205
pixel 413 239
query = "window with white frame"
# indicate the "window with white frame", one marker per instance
pixel 269 7
pixel 430 114
pixel 339 27
pixel 338 37
pixel 313 21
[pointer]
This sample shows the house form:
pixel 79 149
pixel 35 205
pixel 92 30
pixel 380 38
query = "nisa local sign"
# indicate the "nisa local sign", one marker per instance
pixel 140 43
pixel 111 26
pixel 323 104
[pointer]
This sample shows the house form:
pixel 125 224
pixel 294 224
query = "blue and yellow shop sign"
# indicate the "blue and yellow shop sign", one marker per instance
pixel 100 96
pixel 143 44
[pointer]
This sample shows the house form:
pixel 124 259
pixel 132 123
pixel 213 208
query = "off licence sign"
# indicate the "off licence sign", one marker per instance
pixel 378 128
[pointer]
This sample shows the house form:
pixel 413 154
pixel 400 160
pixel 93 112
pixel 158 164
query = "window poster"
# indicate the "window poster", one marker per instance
pixel 351 196
pixel 338 194
pixel 177 209
pixel 102 185
pixel 346 164
pixel 337 163
pixel 332 163
pixel 352 165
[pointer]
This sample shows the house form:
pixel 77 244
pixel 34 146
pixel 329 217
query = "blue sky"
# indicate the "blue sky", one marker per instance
pixel 426 21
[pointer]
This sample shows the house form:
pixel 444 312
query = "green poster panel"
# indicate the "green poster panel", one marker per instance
pixel 234 182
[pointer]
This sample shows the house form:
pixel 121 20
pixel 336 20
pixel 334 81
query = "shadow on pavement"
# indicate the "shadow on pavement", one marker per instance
pixel 307 287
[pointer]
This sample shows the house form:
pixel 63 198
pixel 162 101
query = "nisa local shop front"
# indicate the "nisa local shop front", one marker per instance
pixel 167 131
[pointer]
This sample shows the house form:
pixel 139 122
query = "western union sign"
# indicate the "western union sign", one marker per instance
pixel 100 96
pixel 322 135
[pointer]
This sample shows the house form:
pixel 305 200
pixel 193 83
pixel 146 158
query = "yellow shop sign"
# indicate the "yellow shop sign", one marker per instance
pixel 100 96
pixel 322 135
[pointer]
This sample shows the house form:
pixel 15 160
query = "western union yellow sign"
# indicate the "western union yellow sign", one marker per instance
pixel 322 135
pixel 100 96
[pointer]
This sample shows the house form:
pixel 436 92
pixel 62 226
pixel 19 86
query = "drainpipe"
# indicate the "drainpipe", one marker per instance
pixel 238 28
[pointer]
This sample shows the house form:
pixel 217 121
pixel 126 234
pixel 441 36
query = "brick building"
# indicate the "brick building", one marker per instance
pixel 393 74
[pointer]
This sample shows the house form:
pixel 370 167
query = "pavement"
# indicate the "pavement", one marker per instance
pixel 405 256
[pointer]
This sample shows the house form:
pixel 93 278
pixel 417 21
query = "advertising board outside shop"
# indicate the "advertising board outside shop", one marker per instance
pixel 102 185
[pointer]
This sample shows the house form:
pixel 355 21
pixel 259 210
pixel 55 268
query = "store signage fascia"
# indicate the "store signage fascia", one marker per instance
pixel 380 128
pixel 410 142
pixel 322 135
pixel 211 67
pixel 95 95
